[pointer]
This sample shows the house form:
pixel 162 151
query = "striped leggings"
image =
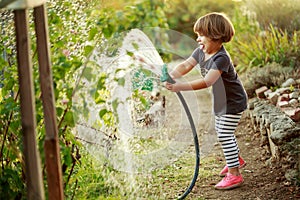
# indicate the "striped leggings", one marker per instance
pixel 225 127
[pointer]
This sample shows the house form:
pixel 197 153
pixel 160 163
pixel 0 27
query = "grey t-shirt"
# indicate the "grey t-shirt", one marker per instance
pixel 229 96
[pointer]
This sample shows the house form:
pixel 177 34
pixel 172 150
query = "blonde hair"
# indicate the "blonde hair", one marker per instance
pixel 216 26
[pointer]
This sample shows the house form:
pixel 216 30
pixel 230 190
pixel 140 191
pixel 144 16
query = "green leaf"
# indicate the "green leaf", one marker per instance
pixel 129 53
pixel 144 101
pixel 67 156
pixel 102 113
pixel 92 33
pixel 88 50
pixel 69 120
pixel 87 73
pixel 99 99
pixel 59 111
pixel 108 31
pixel 115 104
pixel 135 46
pixel 121 81
pixel 101 82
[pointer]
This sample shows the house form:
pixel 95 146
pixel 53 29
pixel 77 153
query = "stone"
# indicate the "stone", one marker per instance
pixel 281 122
pixel 266 93
pixel 283 90
pixel 283 104
pixel 288 82
pixel 289 111
pixel 296 116
pixel 293 102
pixel 262 129
pixel 273 148
pixel 271 118
pixel 281 136
pixel 258 108
pixel 251 103
pixel 285 97
pixel 273 97
pixel 277 130
pixel 293 113
pixel 294 95
pixel 260 92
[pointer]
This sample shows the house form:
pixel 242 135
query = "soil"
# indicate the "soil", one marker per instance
pixel 262 181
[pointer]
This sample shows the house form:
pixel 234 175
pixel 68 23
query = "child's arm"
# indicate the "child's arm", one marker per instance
pixel 183 68
pixel 210 78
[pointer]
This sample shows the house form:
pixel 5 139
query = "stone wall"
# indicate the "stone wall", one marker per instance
pixel 279 131
pixel 275 116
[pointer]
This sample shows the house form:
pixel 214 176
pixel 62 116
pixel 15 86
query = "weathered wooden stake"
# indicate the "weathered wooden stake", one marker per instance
pixel 33 173
pixel 53 165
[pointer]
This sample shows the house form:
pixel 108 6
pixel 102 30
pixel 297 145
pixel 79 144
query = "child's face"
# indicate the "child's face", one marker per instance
pixel 206 44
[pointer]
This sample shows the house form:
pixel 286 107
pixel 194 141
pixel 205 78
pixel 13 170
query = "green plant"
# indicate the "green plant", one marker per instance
pixel 12 181
pixel 75 28
pixel 182 14
pixel 245 26
pixel 268 46
pixel 271 75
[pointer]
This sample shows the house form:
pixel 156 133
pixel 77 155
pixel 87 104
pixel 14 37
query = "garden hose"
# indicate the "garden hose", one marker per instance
pixel 167 78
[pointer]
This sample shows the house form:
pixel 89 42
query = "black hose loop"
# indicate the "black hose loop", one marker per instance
pixel 196 143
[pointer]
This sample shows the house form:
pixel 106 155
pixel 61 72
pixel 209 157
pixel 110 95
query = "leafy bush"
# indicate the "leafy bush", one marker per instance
pixel 75 28
pixel 135 15
pixel 12 182
pixel 272 75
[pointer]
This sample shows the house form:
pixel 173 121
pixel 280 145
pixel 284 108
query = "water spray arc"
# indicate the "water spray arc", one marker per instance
pixel 152 61
pixel 141 69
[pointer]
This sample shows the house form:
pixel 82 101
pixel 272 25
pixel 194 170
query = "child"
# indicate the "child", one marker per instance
pixel 229 96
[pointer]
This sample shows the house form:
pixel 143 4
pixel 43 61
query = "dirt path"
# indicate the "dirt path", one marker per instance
pixel 262 182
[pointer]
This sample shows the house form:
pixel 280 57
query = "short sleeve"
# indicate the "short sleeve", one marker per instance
pixel 196 55
pixel 221 62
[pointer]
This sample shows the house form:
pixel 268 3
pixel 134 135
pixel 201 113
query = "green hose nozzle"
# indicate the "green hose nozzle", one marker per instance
pixel 165 77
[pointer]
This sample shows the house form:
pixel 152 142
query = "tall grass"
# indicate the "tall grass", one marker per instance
pixel 271 45
pixel 266 32
pixel 282 14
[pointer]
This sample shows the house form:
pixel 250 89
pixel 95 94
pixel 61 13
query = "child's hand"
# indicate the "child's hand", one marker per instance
pixel 172 87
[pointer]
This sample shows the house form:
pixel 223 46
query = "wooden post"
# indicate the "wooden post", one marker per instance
pixel 53 165
pixel 34 181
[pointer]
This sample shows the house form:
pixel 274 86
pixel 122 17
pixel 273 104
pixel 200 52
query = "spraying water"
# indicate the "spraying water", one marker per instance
pixel 138 148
